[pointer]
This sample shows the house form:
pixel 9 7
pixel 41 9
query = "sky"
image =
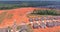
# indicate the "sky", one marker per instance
pixel 29 0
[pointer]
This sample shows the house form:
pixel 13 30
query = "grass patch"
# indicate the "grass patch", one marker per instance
pixel 9 16
pixel 29 29
pixel 2 16
pixel 18 27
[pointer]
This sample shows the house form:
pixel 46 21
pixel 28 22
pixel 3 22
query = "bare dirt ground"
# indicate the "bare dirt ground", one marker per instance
pixel 20 14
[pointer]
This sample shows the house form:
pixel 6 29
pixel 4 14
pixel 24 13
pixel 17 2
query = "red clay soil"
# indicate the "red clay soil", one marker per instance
pixel 20 14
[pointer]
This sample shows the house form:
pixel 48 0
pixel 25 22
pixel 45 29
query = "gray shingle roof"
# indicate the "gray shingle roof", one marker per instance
pixel 3 30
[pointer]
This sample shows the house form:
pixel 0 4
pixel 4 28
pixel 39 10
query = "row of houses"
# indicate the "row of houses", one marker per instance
pixel 43 18
pixel 48 24
pixel 44 22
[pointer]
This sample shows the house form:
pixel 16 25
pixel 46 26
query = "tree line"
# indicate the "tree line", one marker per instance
pixel 45 12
